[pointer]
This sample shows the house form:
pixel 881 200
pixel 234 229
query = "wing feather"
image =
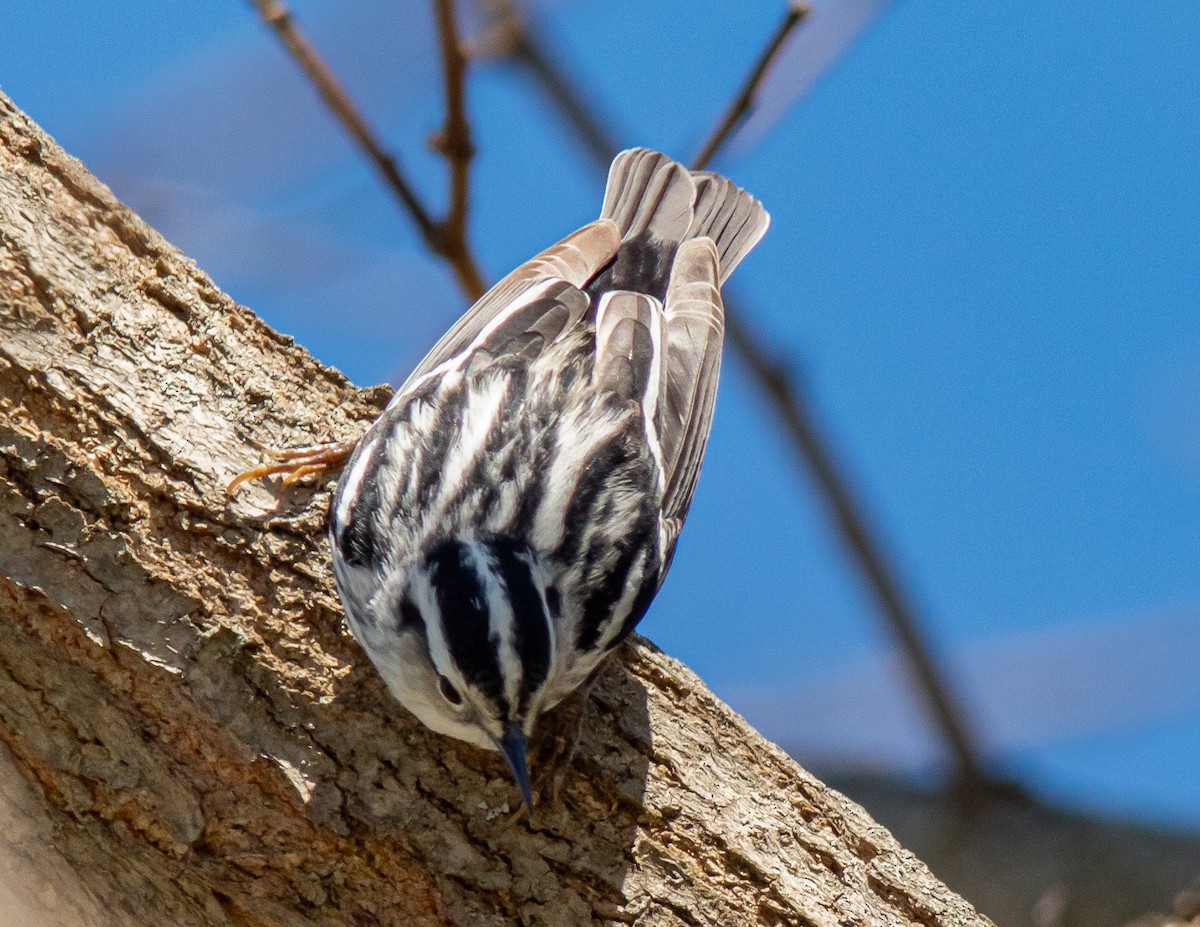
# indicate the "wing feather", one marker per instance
pixel 694 329
pixel 538 284
pixel 628 344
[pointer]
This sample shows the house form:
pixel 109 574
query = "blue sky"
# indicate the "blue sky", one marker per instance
pixel 983 263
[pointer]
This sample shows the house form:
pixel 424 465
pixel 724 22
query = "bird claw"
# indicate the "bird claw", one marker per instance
pixel 297 463
pixel 521 814
pixel 556 747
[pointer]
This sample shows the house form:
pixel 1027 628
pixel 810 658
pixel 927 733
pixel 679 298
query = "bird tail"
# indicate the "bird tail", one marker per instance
pixel 658 204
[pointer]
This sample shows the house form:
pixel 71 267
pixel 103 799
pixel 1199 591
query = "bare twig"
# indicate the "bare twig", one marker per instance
pixel 446 238
pixel 279 18
pixel 743 103
pixel 849 516
pixel 454 141
pixel 528 49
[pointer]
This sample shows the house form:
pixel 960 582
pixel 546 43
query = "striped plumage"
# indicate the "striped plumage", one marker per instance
pixel 507 520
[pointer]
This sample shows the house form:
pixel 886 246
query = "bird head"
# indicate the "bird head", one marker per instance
pixel 476 646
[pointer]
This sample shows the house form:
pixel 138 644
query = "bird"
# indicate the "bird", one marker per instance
pixel 506 521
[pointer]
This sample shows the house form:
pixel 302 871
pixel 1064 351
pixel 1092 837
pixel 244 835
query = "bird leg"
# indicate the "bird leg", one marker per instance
pixel 558 739
pixel 297 463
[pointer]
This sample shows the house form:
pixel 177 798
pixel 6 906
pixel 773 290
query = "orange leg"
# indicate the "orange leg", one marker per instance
pixel 297 463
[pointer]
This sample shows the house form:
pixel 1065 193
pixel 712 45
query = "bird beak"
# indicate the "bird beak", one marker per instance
pixel 513 745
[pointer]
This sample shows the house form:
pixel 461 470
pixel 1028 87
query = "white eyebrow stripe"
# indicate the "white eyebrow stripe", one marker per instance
pixel 501 625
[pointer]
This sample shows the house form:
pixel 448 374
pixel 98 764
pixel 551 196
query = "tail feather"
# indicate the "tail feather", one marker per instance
pixel 648 192
pixel 730 216
pixel 656 202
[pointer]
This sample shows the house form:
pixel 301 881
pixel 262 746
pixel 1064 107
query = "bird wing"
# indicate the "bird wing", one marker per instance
pixel 682 235
pixel 666 357
pixel 694 325
pixel 629 334
pixel 529 308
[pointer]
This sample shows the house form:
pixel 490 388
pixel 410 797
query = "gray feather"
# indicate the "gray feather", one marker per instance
pixel 730 216
pixel 574 260
pixel 682 235
pixel 695 324
pixel 627 336
pixel 648 192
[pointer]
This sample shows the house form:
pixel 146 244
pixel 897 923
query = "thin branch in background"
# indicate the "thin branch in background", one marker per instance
pixel 526 47
pixel 852 524
pixel 743 104
pixel 447 237
pixel 454 142
pixel 848 513
pixel 279 18
pixel 507 37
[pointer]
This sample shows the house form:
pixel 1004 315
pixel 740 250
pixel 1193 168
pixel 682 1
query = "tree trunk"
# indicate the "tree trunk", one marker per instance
pixel 200 741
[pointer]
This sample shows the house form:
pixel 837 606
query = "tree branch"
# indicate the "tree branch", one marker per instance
pixel 743 104
pixel 525 46
pixel 276 15
pixel 454 141
pixel 849 518
pixel 446 238
pixel 211 747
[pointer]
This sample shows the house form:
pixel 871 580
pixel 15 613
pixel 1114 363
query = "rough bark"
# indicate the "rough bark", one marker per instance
pixel 200 740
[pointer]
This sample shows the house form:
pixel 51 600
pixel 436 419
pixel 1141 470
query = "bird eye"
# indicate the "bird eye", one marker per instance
pixel 449 693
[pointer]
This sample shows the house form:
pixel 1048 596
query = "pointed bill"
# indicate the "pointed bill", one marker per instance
pixel 513 745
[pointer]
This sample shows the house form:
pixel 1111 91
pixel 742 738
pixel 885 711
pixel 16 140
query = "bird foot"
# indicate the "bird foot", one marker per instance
pixel 298 463
pixel 557 742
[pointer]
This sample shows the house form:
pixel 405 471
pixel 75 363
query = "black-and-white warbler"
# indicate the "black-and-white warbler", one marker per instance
pixel 504 524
